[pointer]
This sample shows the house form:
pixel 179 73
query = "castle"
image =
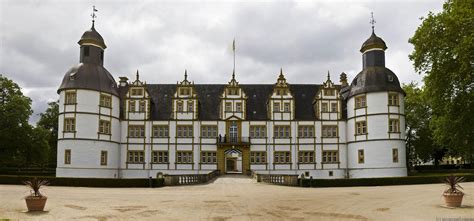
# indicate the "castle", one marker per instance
pixel 136 130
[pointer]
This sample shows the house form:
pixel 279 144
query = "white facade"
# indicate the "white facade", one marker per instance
pixel 139 130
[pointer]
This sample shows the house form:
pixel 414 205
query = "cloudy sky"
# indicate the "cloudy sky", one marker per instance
pixel 38 40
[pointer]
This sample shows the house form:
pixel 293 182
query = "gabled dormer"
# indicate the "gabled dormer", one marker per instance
pixel 185 102
pixel 327 102
pixel 233 101
pixel 137 100
pixel 281 104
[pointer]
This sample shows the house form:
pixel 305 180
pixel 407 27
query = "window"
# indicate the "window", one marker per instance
pixel 395 155
pixel 393 100
pixel 324 107
pixel 286 107
pixel 136 156
pixel 329 92
pixel 329 131
pixel 330 156
pixel 180 106
pixel 142 106
pixel 86 51
pixel 281 92
pixel 209 131
pixel 361 156
pixel 233 91
pixel 333 107
pixel 104 127
pixel 136 131
pixel 306 131
pixel 160 131
pixel 69 124
pixel 159 157
pixel 361 127
pixel 258 157
pixel 208 157
pixel 103 158
pixel 276 106
pixel 258 131
pixel 137 91
pixel 393 126
pixel 190 106
pixel 70 97
pixel 360 101
pixel 131 106
pixel 105 100
pixel 184 131
pixel 306 157
pixel 238 107
pixel 67 156
pixel 228 106
pixel 184 157
pixel 281 131
pixel 282 157
pixel 184 91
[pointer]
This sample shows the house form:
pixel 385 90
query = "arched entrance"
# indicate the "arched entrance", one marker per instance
pixel 233 161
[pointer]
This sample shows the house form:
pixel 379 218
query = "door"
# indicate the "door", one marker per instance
pixel 230 165
pixel 233 132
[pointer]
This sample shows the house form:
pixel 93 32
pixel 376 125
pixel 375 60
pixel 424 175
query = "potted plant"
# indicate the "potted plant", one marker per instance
pixel 453 195
pixel 36 201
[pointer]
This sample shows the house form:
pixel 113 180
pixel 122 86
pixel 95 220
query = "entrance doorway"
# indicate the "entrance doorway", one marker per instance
pixel 233 161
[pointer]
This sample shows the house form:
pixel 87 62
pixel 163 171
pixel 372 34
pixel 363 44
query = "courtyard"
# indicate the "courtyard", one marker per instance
pixel 237 198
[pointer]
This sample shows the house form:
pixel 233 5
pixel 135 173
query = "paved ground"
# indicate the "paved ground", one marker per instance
pixel 238 198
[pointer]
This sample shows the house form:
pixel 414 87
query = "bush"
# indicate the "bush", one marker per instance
pixel 84 182
pixel 377 181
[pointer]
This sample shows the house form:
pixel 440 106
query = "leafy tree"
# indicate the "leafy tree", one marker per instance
pixel 419 139
pixel 49 121
pixel 444 52
pixel 15 109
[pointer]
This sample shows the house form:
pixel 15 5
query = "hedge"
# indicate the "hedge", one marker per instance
pixel 85 182
pixel 28 171
pixel 385 181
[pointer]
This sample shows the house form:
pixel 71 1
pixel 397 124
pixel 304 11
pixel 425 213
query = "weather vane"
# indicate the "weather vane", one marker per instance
pixel 93 13
pixel 372 20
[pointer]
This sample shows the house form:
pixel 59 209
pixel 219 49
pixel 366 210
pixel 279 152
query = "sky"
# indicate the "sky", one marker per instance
pixel 38 40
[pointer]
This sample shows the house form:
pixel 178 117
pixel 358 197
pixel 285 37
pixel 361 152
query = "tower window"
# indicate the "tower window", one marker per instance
pixel 361 156
pixel 360 101
pixel 67 156
pixel 86 51
pixel 361 127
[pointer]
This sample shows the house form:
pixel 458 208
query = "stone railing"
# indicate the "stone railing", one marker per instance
pixel 279 179
pixel 189 179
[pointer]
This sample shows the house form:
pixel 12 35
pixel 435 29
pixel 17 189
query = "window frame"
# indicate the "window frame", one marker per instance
pixel 103 158
pixel 327 131
pixel 282 157
pixel 159 157
pixel 136 157
pixel 306 131
pixel 67 156
pixel 258 131
pixel 282 131
pixel 159 129
pixel 208 157
pixel 393 125
pixel 70 97
pixel 184 157
pixel 137 133
pixel 209 131
pixel 362 125
pixel 258 157
pixel 69 125
pixel 330 156
pixel 184 133
pixel 105 101
pixel 105 127
pixel 393 99
pixel 306 157
pixel 360 101
pixel 360 156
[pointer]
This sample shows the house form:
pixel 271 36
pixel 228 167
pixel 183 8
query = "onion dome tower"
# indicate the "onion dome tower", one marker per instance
pixel 376 118
pixel 89 126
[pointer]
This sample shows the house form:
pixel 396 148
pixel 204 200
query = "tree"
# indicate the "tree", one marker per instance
pixel 15 110
pixel 419 139
pixel 49 121
pixel 443 51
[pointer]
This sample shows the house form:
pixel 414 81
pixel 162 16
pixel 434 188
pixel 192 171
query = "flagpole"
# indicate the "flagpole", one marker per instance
pixel 233 49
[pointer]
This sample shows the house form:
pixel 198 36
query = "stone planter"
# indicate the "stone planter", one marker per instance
pixel 453 199
pixel 35 203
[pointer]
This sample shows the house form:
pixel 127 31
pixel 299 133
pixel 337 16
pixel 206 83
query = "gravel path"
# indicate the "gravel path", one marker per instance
pixel 238 198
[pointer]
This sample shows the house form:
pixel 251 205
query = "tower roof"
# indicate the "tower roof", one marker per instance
pixel 373 41
pixel 91 36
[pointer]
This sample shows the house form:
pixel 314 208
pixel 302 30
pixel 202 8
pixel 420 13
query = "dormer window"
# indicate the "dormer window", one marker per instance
pixel 137 92
pixel 238 107
pixel 180 106
pixel 233 91
pixel 324 107
pixel 333 107
pixel 142 106
pixel 228 106
pixel 276 107
pixel 329 92
pixel 286 107
pixel 190 106
pixel 131 106
pixel 184 91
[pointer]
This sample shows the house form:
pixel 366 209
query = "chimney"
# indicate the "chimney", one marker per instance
pixel 123 81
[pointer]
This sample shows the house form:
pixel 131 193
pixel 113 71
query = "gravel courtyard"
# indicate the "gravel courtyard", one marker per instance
pixel 237 198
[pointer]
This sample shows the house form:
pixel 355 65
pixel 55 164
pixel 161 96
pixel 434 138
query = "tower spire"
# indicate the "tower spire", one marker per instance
pixel 93 15
pixel 138 76
pixel 185 74
pixel 233 50
pixel 372 21
pixel 329 77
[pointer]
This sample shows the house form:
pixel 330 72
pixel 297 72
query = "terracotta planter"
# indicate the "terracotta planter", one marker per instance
pixel 453 199
pixel 35 203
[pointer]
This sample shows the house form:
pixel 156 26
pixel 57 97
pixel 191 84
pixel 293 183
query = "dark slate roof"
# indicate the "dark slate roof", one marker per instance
pixel 209 98
pixel 89 76
pixel 374 79
pixel 373 42
pixel 93 36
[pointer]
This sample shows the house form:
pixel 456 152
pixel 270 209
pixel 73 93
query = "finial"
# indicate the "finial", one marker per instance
pixel 138 76
pixel 233 75
pixel 93 15
pixel 185 74
pixel 372 21
pixel 281 72
pixel 343 79
pixel 329 77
